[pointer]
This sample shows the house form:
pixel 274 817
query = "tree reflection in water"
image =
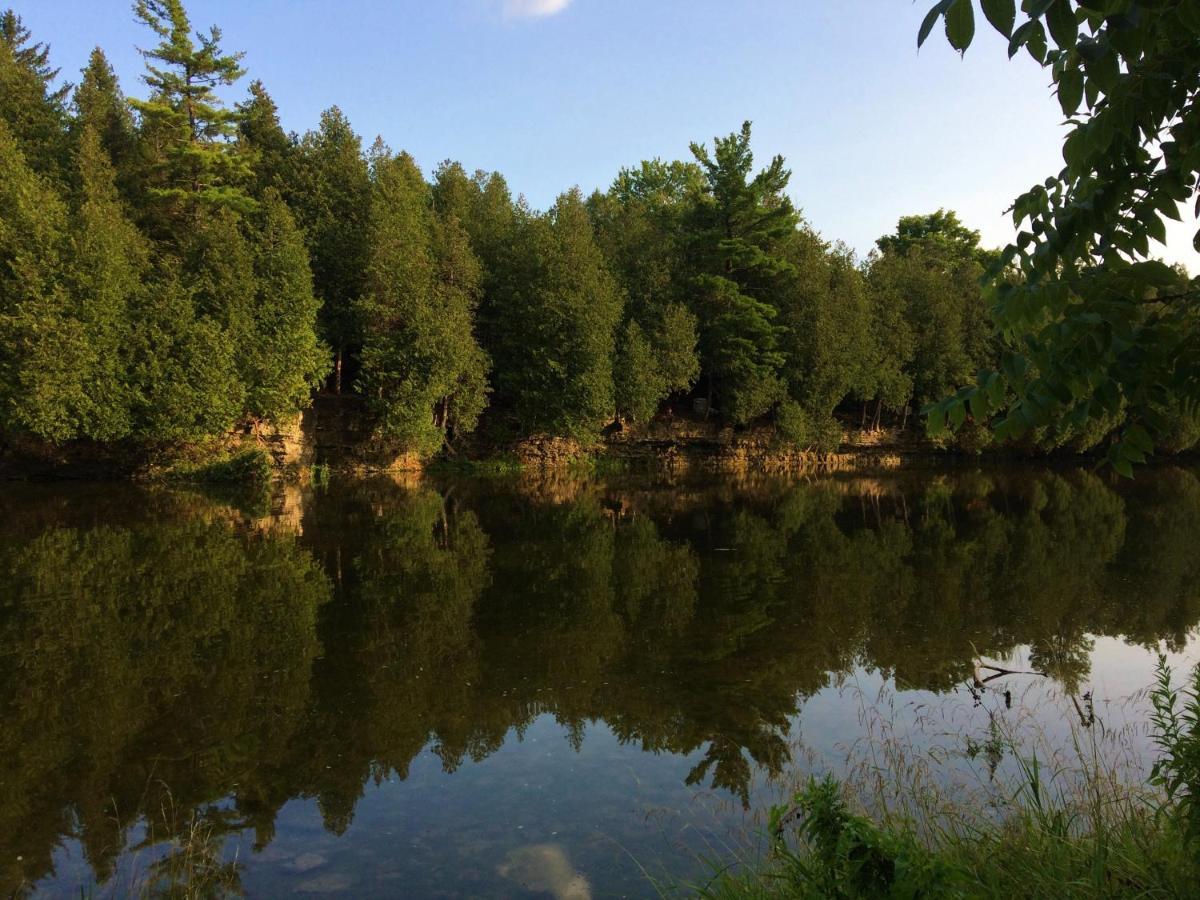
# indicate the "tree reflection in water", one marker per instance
pixel 175 665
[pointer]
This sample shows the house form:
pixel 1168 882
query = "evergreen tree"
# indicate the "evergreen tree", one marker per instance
pixel 33 109
pixel 738 229
pixel 183 374
pixel 639 386
pixel 108 264
pixel 193 162
pixel 43 351
pixel 555 322
pixel 422 371
pixel 218 270
pixel 331 200
pixel 101 106
pixel 264 140
pixel 827 316
pixel 640 227
pixel 284 359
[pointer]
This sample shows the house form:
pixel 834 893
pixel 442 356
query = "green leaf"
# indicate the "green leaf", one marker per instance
pixel 960 24
pixel 936 423
pixel 1063 27
pixel 1123 467
pixel 931 18
pixel 1002 14
pixel 1138 437
pixel 958 414
pixel 1070 91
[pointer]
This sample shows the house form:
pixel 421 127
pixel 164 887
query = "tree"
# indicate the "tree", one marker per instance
pixel 285 359
pixel 44 349
pixel 738 228
pixel 554 319
pixel 264 140
pixel 827 316
pixel 423 373
pixel 1093 327
pixel 107 263
pixel 640 228
pixel 331 199
pixel 33 109
pixel 184 375
pixel 101 106
pixel 194 163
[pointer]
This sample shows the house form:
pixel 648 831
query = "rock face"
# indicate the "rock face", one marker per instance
pixel 337 432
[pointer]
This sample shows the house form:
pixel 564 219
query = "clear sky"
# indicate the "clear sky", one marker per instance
pixel 555 93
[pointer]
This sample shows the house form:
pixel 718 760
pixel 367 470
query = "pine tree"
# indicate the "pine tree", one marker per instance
pixel 101 106
pixel 194 164
pixel 738 228
pixel 33 109
pixel 284 359
pixel 422 371
pixel 331 201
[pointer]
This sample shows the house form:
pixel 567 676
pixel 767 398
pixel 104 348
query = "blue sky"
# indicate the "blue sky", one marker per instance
pixel 555 93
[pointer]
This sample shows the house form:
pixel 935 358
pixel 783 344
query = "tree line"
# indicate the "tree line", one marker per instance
pixel 173 268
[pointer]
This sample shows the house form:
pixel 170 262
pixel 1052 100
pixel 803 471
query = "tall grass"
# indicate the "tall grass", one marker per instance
pixel 1051 829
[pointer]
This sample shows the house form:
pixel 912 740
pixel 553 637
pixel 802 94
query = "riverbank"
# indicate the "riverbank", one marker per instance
pixel 335 435
pixel 1059 828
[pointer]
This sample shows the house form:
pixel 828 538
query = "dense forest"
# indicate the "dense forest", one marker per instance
pixel 173 267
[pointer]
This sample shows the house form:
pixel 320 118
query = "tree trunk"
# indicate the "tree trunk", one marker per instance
pixel 878 412
pixel 708 402
pixel 863 425
pixel 904 420
pixel 337 371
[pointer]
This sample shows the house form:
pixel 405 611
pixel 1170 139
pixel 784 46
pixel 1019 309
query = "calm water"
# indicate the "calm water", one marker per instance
pixel 537 688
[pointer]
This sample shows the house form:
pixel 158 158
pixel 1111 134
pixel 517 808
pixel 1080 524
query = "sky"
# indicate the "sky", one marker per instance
pixel 558 93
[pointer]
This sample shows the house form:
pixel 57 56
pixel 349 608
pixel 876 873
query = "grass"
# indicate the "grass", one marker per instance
pixel 1052 830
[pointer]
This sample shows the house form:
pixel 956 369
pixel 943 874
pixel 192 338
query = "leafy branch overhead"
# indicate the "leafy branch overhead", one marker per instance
pixel 1092 326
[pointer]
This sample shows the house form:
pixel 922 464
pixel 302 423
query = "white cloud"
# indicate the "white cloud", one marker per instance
pixel 533 9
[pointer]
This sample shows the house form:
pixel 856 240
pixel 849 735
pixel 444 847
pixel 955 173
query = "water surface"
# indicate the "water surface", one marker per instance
pixel 539 687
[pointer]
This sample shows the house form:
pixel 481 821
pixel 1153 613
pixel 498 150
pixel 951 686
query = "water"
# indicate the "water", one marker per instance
pixel 553 687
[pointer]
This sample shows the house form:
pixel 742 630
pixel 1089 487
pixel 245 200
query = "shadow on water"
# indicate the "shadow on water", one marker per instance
pixel 177 670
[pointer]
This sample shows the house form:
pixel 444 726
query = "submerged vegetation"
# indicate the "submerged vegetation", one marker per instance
pixel 172 268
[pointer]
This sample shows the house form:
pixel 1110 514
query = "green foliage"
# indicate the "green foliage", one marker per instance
pixel 738 229
pixel 42 382
pixel 100 105
pixel 1176 721
pixel 249 467
pixel 1092 325
pixel 193 164
pixel 263 139
pixel 423 373
pixel 184 373
pixel 332 200
pixel 284 360
pixel 554 317
pixel 33 110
